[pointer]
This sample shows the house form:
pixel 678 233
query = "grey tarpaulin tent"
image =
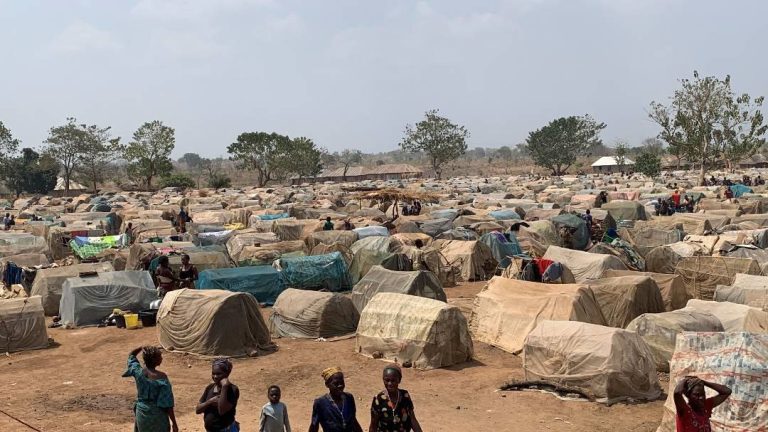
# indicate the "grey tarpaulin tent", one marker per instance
pixel 312 314
pixel 22 325
pixel 421 283
pixel 48 282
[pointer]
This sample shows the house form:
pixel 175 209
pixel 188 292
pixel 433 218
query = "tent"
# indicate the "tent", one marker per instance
pixel 734 317
pixel 671 286
pixel 240 240
pixel 48 282
pixel 582 265
pixel 427 333
pixel 420 283
pixel 366 253
pixel 608 363
pixel 646 239
pixel 212 323
pixel 624 298
pixel 473 258
pixel 502 246
pixel 734 359
pixel 580 236
pixel 268 253
pixel 746 289
pixel 203 257
pixel 506 310
pixel 660 330
pixel 313 314
pixel 315 272
pixel 702 274
pixel 625 210
pixel 664 259
pixel 345 238
pixel 88 300
pixel 23 326
pixel 263 282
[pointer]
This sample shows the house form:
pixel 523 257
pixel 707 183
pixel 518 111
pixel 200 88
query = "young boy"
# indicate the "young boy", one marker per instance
pixel 274 415
pixel 693 416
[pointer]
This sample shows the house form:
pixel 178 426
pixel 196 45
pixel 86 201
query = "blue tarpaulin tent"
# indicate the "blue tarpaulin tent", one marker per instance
pixel 502 246
pixel 739 190
pixel 316 272
pixel 263 282
pixel 504 214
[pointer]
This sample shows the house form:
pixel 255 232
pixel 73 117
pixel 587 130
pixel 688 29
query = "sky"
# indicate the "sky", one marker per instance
pixel 351 74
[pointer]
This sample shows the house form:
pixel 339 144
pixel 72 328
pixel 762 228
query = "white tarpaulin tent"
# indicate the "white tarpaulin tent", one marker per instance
pixel 734 317
pixel 580 265
pixel 420 283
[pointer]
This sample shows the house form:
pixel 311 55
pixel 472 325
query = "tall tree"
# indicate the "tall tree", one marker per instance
pixel 262 152
pixel 438 138
pixel 347 158
pixel 648 163
pixel 504 153
pixel 306 159
pixel 8 145
pixel 706 122
pixel 557 145
pixel 98 152
pixel 31 173
pixel 195 165
pixel 149 154
pixel 653 146
pixel 67 144
pixel 621 154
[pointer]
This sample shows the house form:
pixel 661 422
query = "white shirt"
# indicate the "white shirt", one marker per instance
pixel 274 418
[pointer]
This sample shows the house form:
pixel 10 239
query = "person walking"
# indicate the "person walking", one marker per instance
pixel 392 409
pixel 336 410
pixel 153 409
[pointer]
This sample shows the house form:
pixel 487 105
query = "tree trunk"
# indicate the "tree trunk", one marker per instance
pixel 702 170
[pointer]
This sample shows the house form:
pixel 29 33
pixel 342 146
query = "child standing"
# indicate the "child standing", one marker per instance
pixel 274 414
pixel 219 401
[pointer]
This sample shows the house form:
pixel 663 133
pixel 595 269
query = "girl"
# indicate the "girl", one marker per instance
pixel 188 273
pixel 166 280
pixel 274 415
pixel 154 400
pixel 219 400
pixel 392 409
pixel 694 415
pixel 335 411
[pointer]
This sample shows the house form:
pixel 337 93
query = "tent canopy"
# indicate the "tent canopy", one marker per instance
pixel 313 314
pixel 24 324
pixel 263 282
pixel 48 282
pixel 421 283
pixel 624 298
pixel 581 265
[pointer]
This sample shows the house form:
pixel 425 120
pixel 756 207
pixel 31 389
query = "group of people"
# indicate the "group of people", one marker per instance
pixel 168 281
pixel 745 180
pixel 413 209
pixel 676 203
pixel 392 409
pixel 8 221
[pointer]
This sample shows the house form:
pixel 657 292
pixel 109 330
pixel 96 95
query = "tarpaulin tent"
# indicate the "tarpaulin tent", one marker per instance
pixel 580 236
pixel 736 360
pixel 88 300
pixel 608 363
pixel 294 229
pixel 346 238
pixel 313 314
pixel 48 282
pixel 203 257
pixel 317 272
pixel 366 253
pixel 428 333
pixel 212 323
pixel 582 265
pixel 502 246
pixel 23 326
pixel 240 240
pixel 671 286
pixel 90 247
pixel 660 330
pixel 702 274
pixel 213 237
pixel 647 238
pixel 421 283
pixel 506 310
pixel 746 289
pixel 473 258
pixel 624 298
pixel 734 317
pixel 664 259
pixel 263 282
pixel 268 253
pixel 15 243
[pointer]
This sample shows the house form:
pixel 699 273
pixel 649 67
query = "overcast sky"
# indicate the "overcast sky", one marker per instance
pixel 351 74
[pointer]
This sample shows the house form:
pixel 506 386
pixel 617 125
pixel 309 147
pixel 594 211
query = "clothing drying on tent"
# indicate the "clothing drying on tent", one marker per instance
pixel 90 247
pixel 263 282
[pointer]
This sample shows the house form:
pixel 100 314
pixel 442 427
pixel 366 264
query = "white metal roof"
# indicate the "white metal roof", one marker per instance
pixel 611 161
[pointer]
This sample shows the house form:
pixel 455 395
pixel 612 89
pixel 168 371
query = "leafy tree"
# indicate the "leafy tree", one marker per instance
pixel 8 144
pixel 97 153
pixel 648 163
pixel 266 153
pixel 195 165
pixel 441 140
pixel 557 145
pixel 178 180
pixel 306 159
pixel 67 144
pixel 31 173
pixel 621 154
pixel 219 181
pixel 148 155
pixel 706 122
pixel 347 158
pixel 504 153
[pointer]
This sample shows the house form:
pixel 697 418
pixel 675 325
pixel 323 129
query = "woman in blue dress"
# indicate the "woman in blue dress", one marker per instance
pixel 335 411
pixel 154 400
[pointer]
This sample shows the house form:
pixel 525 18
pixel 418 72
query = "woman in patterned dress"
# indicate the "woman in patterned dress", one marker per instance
pixel 392 409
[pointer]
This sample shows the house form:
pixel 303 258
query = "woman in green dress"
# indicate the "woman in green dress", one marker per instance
pixel 154 399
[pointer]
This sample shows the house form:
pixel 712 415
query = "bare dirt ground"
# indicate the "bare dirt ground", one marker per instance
pixel 76 386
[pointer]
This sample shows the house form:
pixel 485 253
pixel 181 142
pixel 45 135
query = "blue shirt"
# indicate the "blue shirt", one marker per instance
pixel 331 417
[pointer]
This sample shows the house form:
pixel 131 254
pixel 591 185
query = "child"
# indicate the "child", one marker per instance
pixel 392 409
pixel 694 415
pixel 219 401
pixel 274 415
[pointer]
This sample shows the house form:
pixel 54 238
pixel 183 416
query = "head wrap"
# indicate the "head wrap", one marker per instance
pixel 331 371
pixel 224 364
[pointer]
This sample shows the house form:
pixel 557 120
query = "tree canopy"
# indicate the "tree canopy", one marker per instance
pixel 265 153
pixel 706 121
pixel 347 158
pixel 30 172
pixel 97 154
pixel 149 153
pixel 648 163
pixel 66 144
pixel 437 137
pixel 557 145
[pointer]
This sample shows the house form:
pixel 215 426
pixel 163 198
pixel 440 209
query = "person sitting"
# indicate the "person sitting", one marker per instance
pixel 688 204
pixel 694 415
pixel 328 225
pixel 348 226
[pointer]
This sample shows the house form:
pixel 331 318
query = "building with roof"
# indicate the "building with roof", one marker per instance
pixel 755 161
pixel 360 173
pixel 608 164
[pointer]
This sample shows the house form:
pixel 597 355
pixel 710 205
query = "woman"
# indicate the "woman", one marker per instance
pixel 335 411
pixel 693 416
pixel 154 400
pixel 218 404
pixel 188 273
pixel 392 409
pixel 166 280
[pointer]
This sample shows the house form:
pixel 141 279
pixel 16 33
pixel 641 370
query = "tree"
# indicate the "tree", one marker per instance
pixel 67 144
pixel 347 158
pixel 31 173
pixel 441 140
pixel 263 152
pixel 219 181
pixel 504 153
pixel 178 180
pixel 8 144
pixel 149 154
pixel 195 165
pixel 653 146
pixel 306 159
pixel 557 145
pixel 648 163
pixel 706 122
pixel 97 153
pixel 621 154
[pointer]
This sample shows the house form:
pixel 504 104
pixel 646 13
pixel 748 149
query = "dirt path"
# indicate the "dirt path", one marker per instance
pixel 76 386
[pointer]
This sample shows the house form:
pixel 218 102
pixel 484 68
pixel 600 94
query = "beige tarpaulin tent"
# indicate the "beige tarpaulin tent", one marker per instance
pixel 312 314
pixel 608 363
pixel 48 282
pixel 671 286
pixel 734 359
pixel 241 239
pixel 345 238
pixel 646 239
pixel 22 325
pixel 421 283
pixel 664 259
pixel 660 330
pixel 625 210
pixel 428 333
pixel 702 274
pixel 734 317
pixel 266 254
pixel 624 298
pixel 212 323
pixel 581 265
pixel 746 289
pixel 473 258
pixel 506 310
